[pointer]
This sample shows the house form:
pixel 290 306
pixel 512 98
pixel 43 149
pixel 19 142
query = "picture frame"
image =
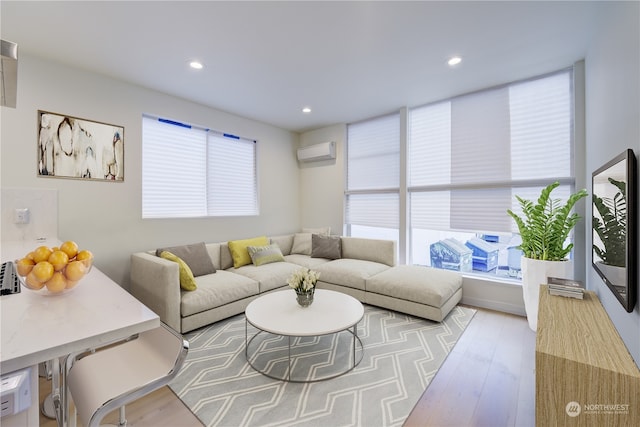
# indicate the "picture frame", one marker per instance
pixel 77 148
pixel 614 233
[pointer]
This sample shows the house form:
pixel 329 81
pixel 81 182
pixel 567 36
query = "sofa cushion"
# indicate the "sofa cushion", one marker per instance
pixel 187 281
pixel 195 255
pixel 215 290
pixel 328 247
pixel 424 285
pixel 269 276
pixel 301 244
pixel 305 260
pixel 376 250
pixel 351 273
pixel 214 253
pixel 285 243
pixel 302 241
pixel 226 261
pixel 265 254
pixel 239 252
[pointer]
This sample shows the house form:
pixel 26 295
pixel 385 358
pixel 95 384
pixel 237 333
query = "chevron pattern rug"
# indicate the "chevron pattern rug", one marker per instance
pixel 401 355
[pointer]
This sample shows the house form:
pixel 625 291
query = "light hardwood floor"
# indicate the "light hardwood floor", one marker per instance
pixel 487 380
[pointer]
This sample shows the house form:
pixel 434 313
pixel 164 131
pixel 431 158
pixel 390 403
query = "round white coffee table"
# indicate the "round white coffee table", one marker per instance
pixel 278 313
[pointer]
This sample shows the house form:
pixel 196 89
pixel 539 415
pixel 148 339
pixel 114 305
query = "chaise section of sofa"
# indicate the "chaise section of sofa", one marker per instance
pixel 421 291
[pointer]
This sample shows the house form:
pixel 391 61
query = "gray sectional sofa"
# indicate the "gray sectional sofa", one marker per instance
pixel 364 268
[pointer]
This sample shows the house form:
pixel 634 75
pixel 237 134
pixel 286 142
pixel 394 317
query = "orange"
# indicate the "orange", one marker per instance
pixel 58 259
pixel 75 270
pixel 84 254
pixel 41 253
pixel 24 266
pixel 32 283
pixel 57 283
pixel 70 248
pixel 71 284
pixel 30 255
pixel 42 271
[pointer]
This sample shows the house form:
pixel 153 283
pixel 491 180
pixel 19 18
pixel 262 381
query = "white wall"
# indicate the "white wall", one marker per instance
pixel 41 203
pixel 322 183
pixel 613 125
pixel 105 217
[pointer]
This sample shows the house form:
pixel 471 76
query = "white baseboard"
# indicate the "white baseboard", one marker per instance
pixel 494 305
pixel 493 294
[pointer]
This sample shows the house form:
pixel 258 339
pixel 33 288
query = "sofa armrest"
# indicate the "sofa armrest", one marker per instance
pixel 375 250
pixel 156 283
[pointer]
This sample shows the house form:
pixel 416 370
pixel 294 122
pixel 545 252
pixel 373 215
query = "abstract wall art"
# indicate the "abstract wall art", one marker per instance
pixel 71 147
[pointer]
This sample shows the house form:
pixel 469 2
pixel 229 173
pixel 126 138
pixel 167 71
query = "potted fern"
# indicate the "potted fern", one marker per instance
pixel 544 230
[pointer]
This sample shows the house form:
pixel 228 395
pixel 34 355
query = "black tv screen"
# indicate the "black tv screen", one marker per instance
pixel 614 226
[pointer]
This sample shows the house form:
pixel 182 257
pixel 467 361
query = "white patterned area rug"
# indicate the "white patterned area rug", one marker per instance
pixel 401 355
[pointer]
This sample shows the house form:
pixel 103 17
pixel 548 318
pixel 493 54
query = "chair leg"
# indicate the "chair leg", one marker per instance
pixel 122 419
pixel 48 408
pixel 122 422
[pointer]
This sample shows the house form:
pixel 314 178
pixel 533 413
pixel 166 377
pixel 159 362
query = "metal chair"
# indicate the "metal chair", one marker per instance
pixel 110 378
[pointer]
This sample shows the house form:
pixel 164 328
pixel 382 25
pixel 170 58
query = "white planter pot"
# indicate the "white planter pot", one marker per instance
pixel 534 274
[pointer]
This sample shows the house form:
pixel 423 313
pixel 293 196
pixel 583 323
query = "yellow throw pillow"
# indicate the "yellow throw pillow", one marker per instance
pixel 187 281
pixel 239 252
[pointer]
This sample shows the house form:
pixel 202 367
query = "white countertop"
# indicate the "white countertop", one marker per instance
pixel 37 327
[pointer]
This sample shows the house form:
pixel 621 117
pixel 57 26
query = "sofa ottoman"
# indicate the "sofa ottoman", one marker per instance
pixel 424 292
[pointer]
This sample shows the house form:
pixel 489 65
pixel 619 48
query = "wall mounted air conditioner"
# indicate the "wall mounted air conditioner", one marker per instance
pixel 316 152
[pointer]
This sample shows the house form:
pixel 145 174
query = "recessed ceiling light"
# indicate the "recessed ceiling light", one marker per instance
pixel 196 65
pixel 306 110
pixel 455 60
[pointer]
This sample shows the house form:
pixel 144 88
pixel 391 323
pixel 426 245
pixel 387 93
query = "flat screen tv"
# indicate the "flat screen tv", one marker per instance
pixel 614 254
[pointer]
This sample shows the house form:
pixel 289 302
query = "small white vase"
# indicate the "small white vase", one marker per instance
pixel 534 274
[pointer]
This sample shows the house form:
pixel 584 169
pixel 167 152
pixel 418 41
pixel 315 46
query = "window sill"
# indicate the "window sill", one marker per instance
pixel 502 280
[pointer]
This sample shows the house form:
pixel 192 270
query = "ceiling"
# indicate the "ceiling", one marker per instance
pixel 347 61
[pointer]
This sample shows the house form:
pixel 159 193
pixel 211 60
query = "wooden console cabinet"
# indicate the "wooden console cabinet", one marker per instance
pixel 585 375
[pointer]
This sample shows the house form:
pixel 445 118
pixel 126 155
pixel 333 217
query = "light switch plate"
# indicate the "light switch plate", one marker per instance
pixel 21 216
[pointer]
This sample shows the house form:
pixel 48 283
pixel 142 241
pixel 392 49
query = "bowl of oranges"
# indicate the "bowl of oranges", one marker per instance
pixel 54 270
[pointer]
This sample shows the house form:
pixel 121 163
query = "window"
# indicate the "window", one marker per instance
pixel 373 178
pixel 189 171
pixel 469 157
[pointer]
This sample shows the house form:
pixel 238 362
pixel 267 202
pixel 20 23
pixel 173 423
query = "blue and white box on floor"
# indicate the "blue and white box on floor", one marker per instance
pixel 451 254
pixel 485 254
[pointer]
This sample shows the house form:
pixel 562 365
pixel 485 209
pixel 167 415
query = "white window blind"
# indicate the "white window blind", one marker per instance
pixel 469 156
pixel 373 172
pixel 194 172
pixel 232 176
pixel 373 154
pixel 374 210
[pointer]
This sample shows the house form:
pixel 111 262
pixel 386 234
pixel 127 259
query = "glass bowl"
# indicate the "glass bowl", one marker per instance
pixel 63 277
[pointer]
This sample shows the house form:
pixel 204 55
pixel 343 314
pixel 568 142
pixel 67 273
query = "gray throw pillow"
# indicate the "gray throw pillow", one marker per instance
pixel 195 256
pixel 329 247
